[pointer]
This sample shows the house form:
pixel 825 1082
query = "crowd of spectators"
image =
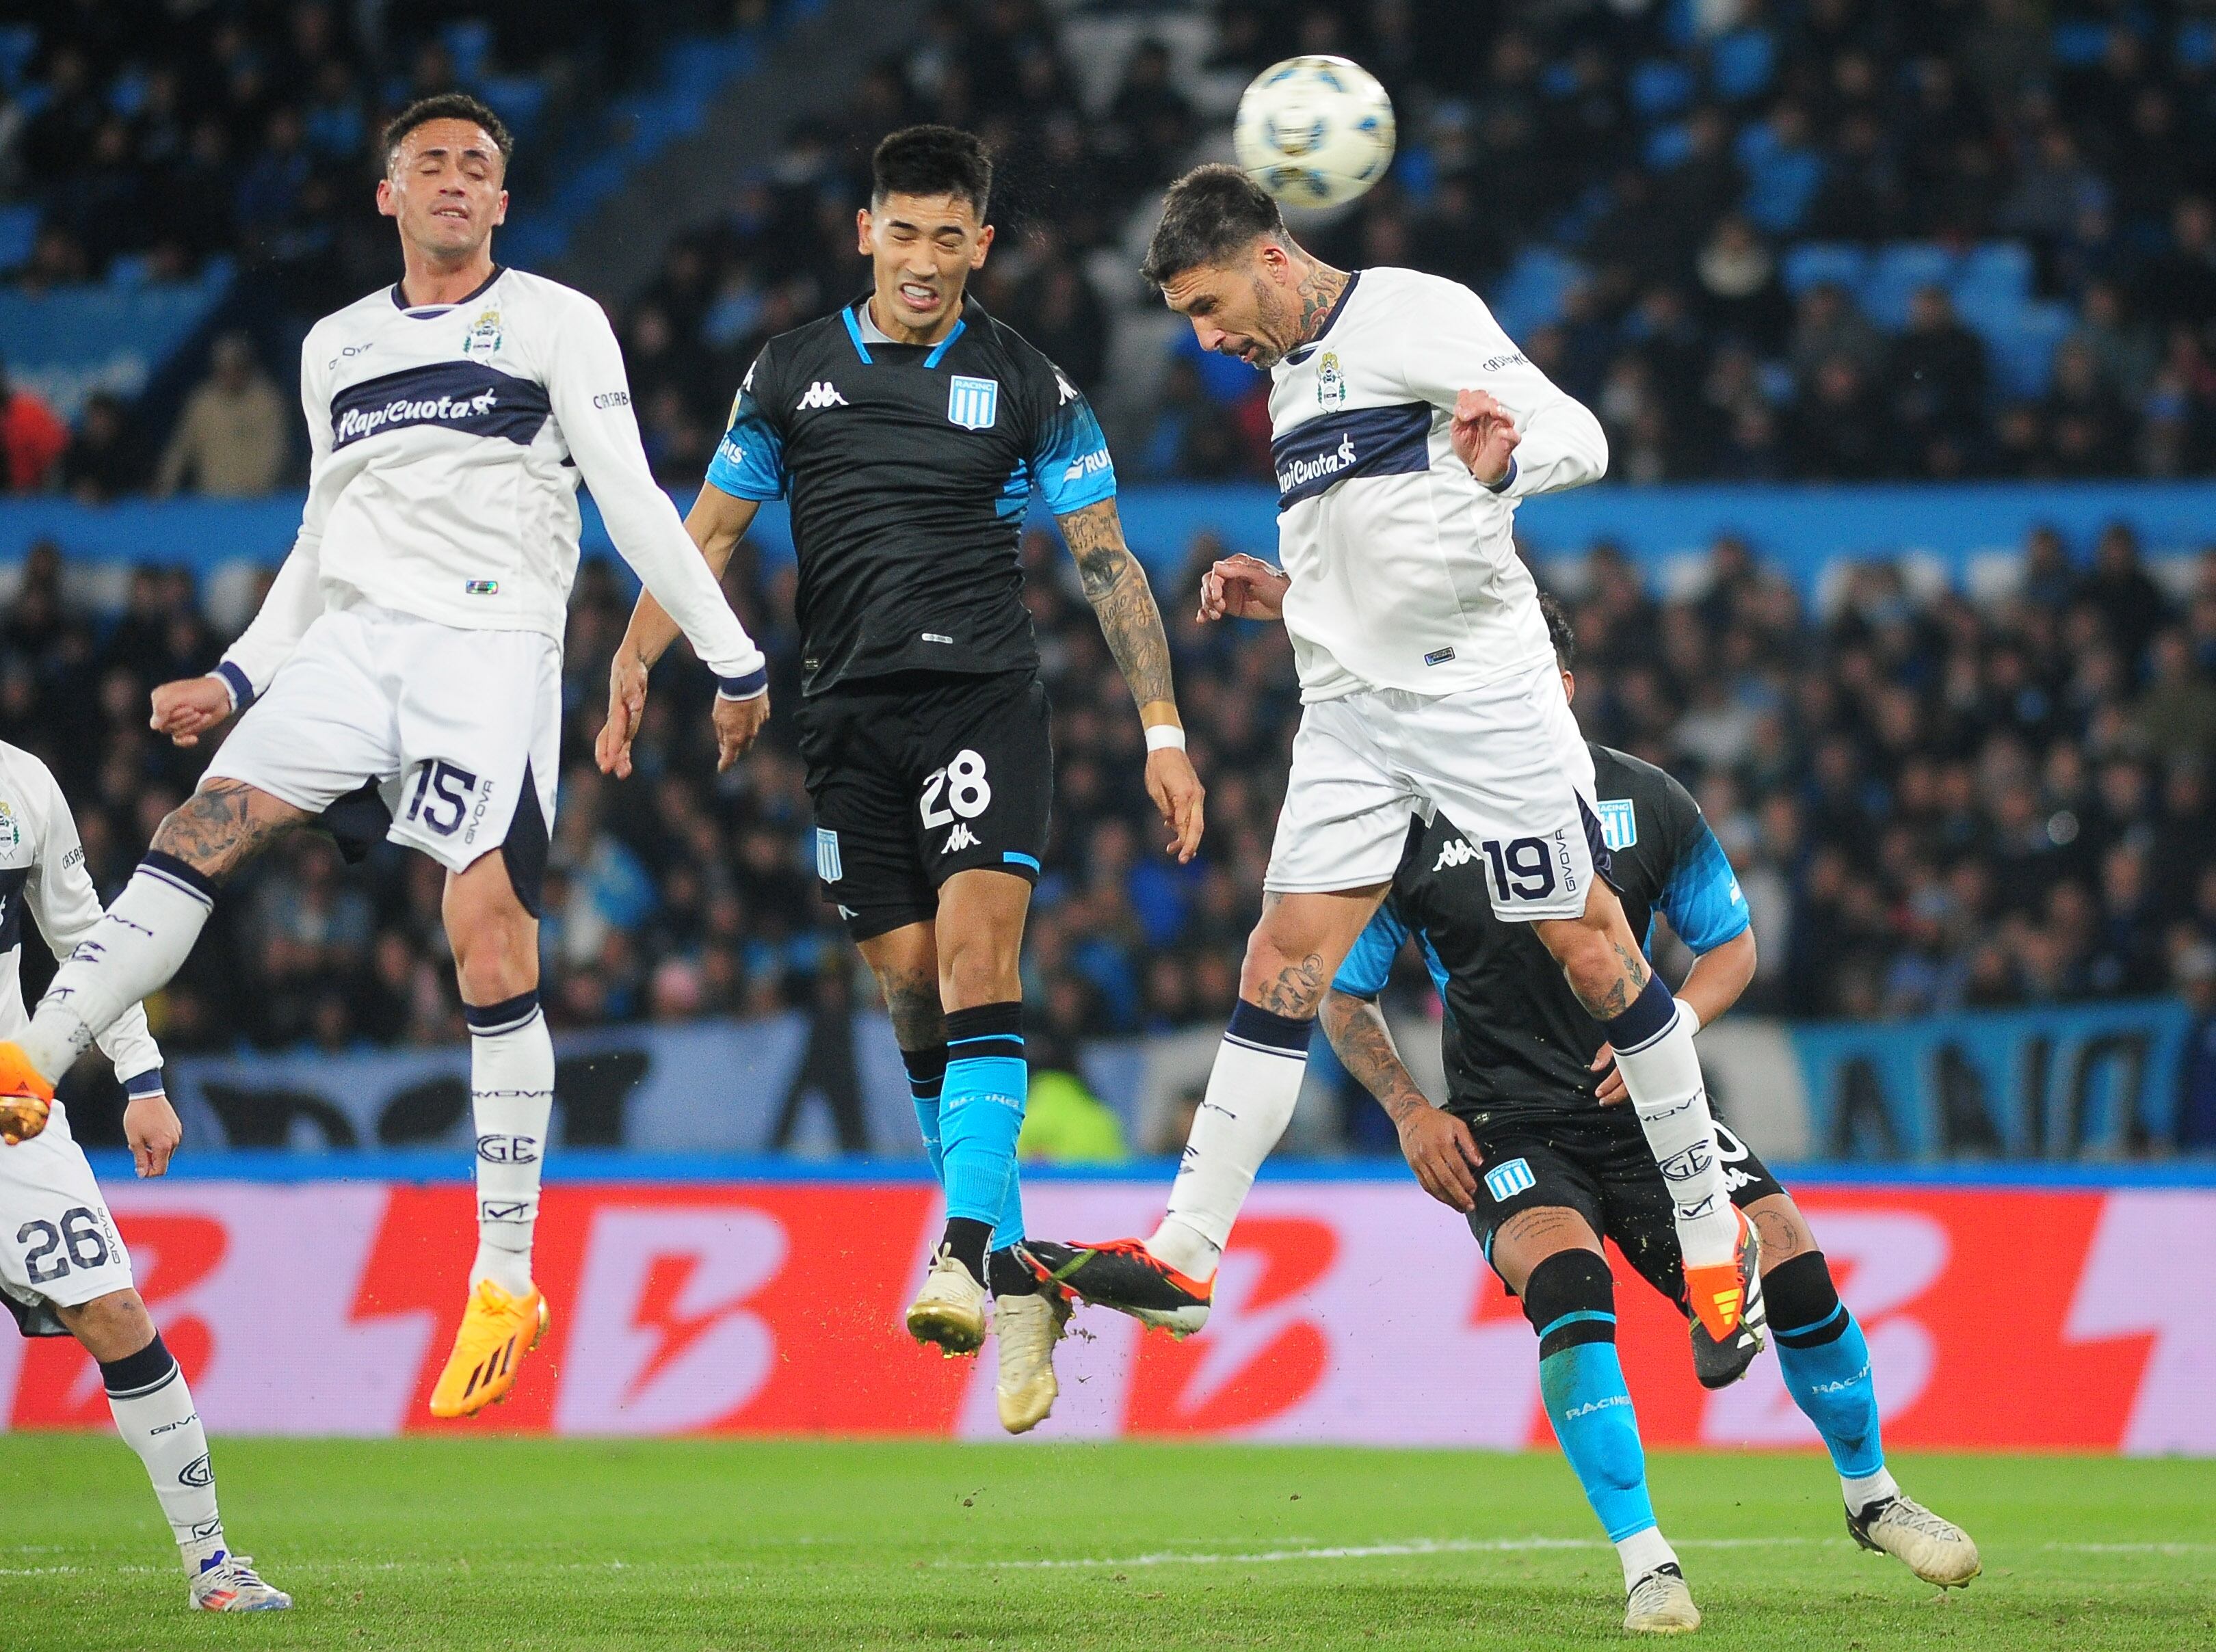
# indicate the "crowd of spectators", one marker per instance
pixel 1668 159
pixel 1932 803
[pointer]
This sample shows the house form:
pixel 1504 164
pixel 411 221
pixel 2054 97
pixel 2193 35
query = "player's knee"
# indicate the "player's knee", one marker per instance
pixel 978 968
pixel 1783 1231
pixel 112 1327
pixel 1570 1300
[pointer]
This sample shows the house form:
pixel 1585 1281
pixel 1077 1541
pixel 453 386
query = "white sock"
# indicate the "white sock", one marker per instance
pixel 1643 1552
pixel 1862 1490
pixel 1664 1078
pixel 139 942
pixel 153 1412
pixel 1252 1090
pixel 512 1097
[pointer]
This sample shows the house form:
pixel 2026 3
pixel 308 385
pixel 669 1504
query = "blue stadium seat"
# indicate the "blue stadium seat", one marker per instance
pixel 1659 88
pixel 1781 188
pixel 468 41
pixel 1994 269
pixel 1808 262
pixel 18 232
pixel 1530 295
pixel 1742 63
pixel 2023 345
pixel 18 46
pixel 2079 44
pixel 1668 145
pixel 2196 44
pixel 1896 272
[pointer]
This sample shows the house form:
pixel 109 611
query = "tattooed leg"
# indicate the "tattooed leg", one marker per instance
pixel 144 939
pixel 223 826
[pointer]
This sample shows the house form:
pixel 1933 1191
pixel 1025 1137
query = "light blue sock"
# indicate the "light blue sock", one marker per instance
pixel 1827 1371
pixel 927 1078
pixel 980 1111
pixel 1009 1228
pixel 1587 1401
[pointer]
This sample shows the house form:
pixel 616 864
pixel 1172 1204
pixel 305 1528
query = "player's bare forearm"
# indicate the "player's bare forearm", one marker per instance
pixel 1117 586
pixel 1719 976
pixel 717 522
pixel 1357 1032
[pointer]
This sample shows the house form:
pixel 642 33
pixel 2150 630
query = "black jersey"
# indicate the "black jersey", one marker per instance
pixel 909 467
pixel 1516 1038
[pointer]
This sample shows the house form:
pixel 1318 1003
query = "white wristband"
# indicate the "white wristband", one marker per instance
pixel 1164 736
pixel 1690 1016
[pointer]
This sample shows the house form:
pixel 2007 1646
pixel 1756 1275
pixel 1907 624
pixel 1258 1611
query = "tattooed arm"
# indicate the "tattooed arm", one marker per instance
pixel 1438 1146
pixel 1115 586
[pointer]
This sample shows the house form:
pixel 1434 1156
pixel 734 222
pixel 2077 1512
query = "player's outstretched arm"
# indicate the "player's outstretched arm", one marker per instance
pixel 715 523
pixel 1438 1146
pixel 1121 600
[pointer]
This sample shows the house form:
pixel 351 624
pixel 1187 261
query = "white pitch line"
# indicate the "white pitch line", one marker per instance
pixel 1372 1551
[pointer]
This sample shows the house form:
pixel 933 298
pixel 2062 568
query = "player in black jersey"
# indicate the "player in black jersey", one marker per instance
pixel 1532 1147
pixel 909 429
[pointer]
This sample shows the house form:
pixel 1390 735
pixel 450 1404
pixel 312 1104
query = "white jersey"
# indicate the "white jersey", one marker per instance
pixel 448 441
pixel 1403 565
pixel 42 870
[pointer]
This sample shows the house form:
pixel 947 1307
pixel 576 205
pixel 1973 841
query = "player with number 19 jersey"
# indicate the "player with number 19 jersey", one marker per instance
pixel 909 467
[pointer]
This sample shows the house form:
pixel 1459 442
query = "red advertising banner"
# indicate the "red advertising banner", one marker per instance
pixel 1347 1310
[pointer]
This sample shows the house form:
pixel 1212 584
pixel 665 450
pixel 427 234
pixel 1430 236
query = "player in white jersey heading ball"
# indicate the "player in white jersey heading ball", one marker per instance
pixel 1405 425
pixel 406 665
pixel 64 1270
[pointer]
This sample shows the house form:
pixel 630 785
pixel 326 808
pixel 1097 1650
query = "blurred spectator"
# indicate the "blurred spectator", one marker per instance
pixel 104 463
pixel 233 441
pixel 32 436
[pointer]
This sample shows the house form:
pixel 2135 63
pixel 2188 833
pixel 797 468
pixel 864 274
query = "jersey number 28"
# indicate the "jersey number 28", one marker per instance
pixel 967 792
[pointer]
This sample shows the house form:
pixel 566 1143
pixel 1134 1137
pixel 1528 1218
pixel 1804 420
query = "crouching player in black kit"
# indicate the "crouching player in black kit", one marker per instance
pixel 1531 1149
pixel 909 429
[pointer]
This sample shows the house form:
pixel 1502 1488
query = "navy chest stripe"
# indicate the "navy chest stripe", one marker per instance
pixel 1362 442
pixel 463 395
pixel 11 907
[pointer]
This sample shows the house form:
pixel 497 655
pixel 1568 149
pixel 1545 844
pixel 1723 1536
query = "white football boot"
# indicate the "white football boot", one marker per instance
pixel 1935 1550
pixel 1027 1328
pixel 949 1310
pixel 228 1583
pixel 1661 1604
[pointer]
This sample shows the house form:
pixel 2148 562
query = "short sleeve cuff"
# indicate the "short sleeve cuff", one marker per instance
pixel 1076 496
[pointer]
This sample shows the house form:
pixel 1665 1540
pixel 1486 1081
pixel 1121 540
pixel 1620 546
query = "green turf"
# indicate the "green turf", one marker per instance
pixel 487 1543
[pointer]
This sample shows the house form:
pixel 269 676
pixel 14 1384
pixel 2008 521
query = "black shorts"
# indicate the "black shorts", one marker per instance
pixel 920 775
pixel 1597 1164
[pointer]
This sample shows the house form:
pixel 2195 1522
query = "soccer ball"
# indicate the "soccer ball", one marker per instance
pixel 1314 132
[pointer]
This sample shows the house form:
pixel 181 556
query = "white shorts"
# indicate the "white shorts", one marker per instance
pixel 1505 762
pixel 58 1246
pixel 458 732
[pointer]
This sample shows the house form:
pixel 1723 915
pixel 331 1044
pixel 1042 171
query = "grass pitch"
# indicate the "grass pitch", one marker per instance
pixel 482 1542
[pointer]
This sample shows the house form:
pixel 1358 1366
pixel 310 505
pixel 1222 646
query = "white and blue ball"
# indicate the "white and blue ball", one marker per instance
pixel 1314 130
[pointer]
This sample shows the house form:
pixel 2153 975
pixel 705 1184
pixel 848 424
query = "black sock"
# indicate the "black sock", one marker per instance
pixel 966 1238
pixel 1007 1275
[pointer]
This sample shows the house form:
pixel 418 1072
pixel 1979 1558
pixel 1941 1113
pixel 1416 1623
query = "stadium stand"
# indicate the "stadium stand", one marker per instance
pixel 1820 241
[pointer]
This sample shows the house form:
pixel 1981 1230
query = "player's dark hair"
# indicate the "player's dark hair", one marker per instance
pixel 1208 216
pixel 1558 632
pixel 446 106
pixel 933 161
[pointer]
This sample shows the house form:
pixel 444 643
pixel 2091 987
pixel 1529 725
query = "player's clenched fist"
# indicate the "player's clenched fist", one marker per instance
pixel 1243 588
pixel 151 1125
pixel 626 709
pixel 188 707
pixel 737 723
pixel 1483 436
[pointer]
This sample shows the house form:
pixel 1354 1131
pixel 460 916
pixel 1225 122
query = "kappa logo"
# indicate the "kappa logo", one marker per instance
pixel 960 838
pixel 1069 390
pixel 1454 852
pixel 820 394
